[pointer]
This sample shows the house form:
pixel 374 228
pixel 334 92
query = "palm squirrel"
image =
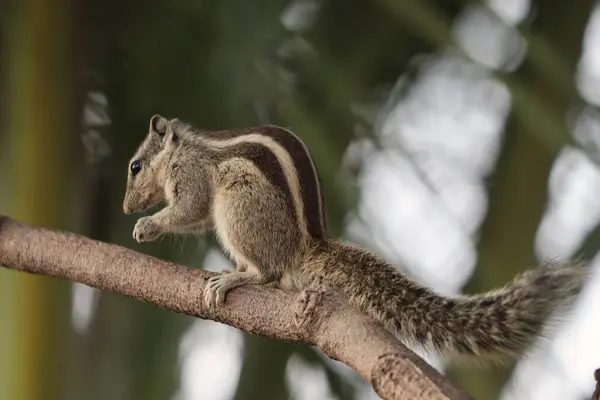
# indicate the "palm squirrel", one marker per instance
pixel 258 189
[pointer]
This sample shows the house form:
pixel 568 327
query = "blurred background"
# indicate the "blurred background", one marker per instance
pixel 459 138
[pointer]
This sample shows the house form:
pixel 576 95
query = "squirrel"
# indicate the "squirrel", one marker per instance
pixel 259 190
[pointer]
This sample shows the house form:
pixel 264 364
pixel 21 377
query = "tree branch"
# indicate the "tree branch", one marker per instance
pixel 314 318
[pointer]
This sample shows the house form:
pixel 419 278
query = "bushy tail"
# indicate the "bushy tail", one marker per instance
pixel 502 322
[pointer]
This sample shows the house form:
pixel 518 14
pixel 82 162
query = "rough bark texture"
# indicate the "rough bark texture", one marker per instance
pixel 315 318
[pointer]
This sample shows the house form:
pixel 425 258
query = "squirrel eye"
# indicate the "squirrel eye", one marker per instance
pixel 135 167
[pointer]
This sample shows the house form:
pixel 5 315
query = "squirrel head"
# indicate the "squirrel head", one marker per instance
pixel 145 180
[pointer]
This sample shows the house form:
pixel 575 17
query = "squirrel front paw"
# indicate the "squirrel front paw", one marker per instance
pixel 146 230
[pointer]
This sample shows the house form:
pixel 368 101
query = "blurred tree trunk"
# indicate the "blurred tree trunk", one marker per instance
pixel 519 185
pixel 3 82
pixel 41 134
pixel 265 361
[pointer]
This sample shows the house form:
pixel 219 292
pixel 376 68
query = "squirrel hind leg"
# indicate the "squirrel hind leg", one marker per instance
pixel 254 222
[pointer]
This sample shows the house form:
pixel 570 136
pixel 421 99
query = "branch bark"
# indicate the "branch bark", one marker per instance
pixel 314 318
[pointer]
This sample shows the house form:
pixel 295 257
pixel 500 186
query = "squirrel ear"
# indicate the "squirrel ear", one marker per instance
pixel 171 135
pixel 159 124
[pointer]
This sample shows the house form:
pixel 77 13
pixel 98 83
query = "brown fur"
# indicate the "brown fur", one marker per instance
pixel 259 190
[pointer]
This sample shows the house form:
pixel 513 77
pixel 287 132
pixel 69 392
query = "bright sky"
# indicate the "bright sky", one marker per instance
pixel 440 143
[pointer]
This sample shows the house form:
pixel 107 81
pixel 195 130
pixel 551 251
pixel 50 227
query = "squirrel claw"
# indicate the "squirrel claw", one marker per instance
pixel 218 285
pixel 216 288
